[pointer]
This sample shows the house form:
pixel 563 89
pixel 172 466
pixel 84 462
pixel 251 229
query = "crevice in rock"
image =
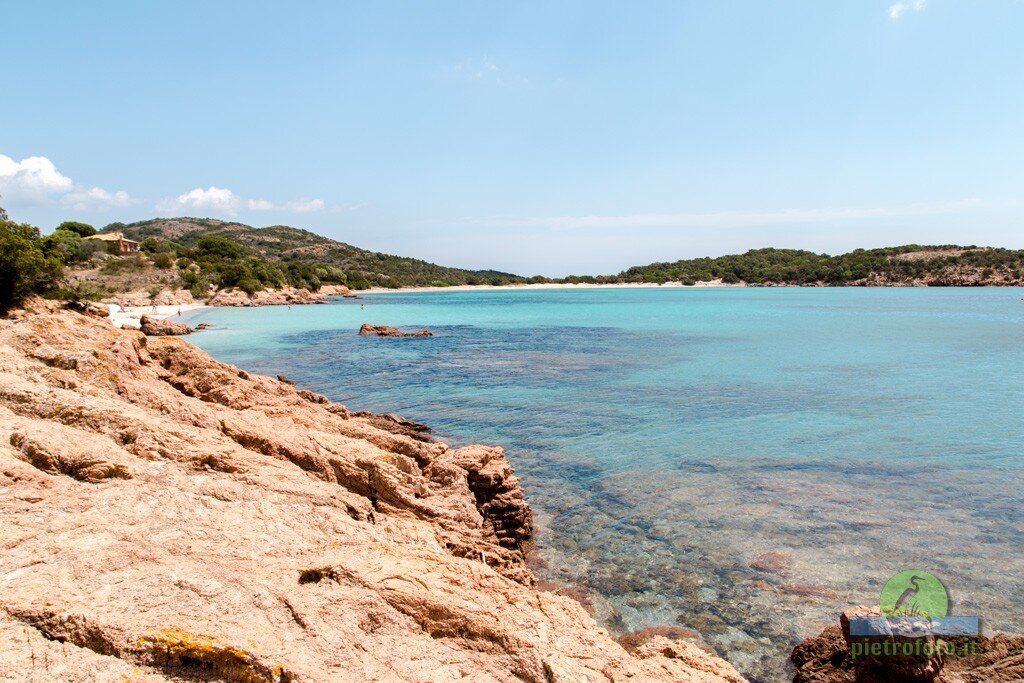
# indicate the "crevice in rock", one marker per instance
pixel 68 628
pixel 317 575
pixel 91 470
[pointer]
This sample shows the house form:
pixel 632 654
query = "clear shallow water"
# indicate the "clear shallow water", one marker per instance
pixel 667 438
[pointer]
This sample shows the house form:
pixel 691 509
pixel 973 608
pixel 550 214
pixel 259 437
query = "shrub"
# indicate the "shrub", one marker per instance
pixel 116 266
pixel 89 248
pixel 250 285
pixel 358 282
pixel 163 260
pixel 233 274
pixel 152 245
pixel 83 291
pixel 218 247
pixel 24 268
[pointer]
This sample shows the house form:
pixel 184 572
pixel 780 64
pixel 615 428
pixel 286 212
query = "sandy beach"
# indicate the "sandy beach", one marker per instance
pixel 130 316
pixel 552 285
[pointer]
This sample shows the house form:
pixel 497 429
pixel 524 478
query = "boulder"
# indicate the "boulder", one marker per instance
pixel 162 327
pixel 386 331
pixel 334 290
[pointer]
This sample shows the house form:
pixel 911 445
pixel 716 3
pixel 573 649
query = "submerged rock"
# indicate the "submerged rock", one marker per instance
pixel 772 562
pixel 386 331
pixel 169 517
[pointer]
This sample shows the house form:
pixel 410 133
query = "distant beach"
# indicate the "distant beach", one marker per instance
pixel 553 285
pixel 130 316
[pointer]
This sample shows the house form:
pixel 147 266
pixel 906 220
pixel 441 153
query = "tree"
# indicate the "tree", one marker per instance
pixel 80 229
pixel 24 268
pixel 64 245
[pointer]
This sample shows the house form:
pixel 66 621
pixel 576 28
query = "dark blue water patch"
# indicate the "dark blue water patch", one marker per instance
pixel 468 356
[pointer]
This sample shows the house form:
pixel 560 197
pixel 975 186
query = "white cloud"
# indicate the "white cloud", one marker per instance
pixel 260 205
pixel 223 201
pixel 720 219
pixel 35 181
pixel 96 198
pixel 305 205
pixel 213 199
pixel 32 180
pixel 898 9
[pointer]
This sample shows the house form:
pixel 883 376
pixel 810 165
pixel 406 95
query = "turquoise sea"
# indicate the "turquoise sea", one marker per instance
pixel 744 462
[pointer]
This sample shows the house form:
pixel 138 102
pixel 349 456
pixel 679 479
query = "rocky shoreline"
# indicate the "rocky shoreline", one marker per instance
pixel 230 297
pixel 170 517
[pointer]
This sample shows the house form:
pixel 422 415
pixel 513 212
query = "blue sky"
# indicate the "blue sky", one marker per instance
pixel 548 137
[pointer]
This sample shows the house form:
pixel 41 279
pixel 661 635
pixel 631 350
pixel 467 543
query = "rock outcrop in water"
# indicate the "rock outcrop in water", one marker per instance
pixel 826 658
pixel 368 330
pixel 169 517
pixel 162 327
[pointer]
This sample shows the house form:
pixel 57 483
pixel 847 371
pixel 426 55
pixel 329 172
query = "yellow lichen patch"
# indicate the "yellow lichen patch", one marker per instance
pixel 173 648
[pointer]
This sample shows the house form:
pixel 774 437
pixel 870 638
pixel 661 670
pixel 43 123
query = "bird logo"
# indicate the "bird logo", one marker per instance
pixel 915 593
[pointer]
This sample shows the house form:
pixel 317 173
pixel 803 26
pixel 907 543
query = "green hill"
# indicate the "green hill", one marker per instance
pixel 946 265
pixel 263 257
pixel 291 248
